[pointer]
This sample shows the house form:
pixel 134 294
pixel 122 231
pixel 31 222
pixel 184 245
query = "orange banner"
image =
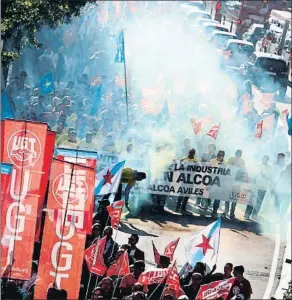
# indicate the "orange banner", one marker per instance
pixel 23 146
pixel 70 195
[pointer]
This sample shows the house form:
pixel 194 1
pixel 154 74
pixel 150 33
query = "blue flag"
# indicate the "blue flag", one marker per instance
pixel 163 116
pixel 46 84
pixel 120 55
pixel 6 107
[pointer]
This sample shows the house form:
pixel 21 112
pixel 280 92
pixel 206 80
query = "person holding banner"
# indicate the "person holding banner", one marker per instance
pixel 181 204
pixel 193 288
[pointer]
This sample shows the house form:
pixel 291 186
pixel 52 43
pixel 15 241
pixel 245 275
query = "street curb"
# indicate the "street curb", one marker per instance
pixel 286 267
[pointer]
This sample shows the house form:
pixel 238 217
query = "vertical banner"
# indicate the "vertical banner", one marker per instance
pixel 23 145
pixel 83 158
pixel 49 150
pixel 70 197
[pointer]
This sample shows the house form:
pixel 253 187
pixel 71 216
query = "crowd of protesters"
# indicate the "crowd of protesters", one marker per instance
pixel 86 106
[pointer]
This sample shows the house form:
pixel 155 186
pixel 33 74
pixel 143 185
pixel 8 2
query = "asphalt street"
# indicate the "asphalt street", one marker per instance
pixel 242 243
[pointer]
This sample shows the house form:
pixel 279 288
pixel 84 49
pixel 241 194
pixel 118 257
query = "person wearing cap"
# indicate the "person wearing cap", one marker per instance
pixel 87 142
pixel 182 201
pixel 109 144
pixel 72 140
pixel 102 216
pixel 62 137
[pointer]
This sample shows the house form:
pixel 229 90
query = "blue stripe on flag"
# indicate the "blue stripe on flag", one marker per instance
pixel 215 226
pixel 113 171
pixel 75 153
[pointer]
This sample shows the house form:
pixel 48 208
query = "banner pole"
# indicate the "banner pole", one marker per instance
pixel 63 229
pixel 125 77
pixel 20 192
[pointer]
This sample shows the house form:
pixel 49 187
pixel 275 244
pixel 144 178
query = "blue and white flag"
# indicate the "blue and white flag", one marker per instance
pixel 46 84
pixel 204 245
pixel 120 55
pixel 108 179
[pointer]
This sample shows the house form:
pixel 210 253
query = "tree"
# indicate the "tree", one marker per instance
pixel 22 19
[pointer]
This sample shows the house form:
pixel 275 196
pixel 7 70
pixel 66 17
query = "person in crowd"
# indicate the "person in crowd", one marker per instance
pixel 168 297
pixel 242 283
pixel 228 269
pixel 282 192
pixel 107 285
pixel 87 143
pixel 130 279
pixel 186 148
pixel 218 161
pixel 212 151
pixel 111 247
pixel 98 291
pixel 102 215
pixel 95 234
pixel 72 140
pixel 134 252
pixel 181 204
pixel 237 162
pixel 192 289
pixel 262 181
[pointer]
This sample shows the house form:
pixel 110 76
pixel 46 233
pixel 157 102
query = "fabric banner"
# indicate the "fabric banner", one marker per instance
pixel 61 258
pixel 215 290
pixel 120 267
pixel 200 179
pixel 94 257
pixel 115 211
pixel 152 276
pixel 23 145
pixel 49 150
pixel 71 196
pixel 156 254
pixel 81 184
pixel 170 249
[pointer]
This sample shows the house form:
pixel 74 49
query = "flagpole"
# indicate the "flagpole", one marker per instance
pixel 125 77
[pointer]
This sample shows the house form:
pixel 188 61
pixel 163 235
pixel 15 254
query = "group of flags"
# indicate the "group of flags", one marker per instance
pixel 200 123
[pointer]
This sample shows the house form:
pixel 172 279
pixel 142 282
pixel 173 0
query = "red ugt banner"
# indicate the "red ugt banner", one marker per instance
pixel 115 212
pixel 23 145
pixel 71 188
pixel 215 290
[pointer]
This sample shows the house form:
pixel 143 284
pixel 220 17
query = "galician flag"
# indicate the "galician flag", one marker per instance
pixel 108 179
pixel 204 245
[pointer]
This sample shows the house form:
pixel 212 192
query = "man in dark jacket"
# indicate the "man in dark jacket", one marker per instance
pixel 134 252
pixel 111 247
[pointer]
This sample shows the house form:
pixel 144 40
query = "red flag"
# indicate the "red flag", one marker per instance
pixel 217 289
pixel 120 267
pixel 156 254
pixel 259 130
pixel 152 276
pixel 170 248
pixel 94 257
pixel 115 212
pixel 267 99
pixel 197 126
pixel 268 122
pixel 173 278
pixel 213 132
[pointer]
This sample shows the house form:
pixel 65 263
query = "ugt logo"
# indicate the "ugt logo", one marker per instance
pixel 69 188
pixel 24 148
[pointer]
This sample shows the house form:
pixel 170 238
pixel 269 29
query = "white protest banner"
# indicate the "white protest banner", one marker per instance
pixel 224 182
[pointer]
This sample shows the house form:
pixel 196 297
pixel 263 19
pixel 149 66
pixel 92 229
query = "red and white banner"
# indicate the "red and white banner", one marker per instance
pixel 120 267
pixel 94 257
pixel 213 132
pixel 49 150
pixel 170 249
pixel 267 99
pixel 259 130
pixel 115 212
pixel 70 194
pixel 214 290
pixel 153 276
pixel 197 126
pixel 23 145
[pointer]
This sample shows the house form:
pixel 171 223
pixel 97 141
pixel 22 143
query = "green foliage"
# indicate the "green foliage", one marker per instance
pixel 288 293
pixel 19 16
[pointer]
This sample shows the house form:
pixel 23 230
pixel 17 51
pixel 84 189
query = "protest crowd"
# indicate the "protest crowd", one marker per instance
pixel 75 87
